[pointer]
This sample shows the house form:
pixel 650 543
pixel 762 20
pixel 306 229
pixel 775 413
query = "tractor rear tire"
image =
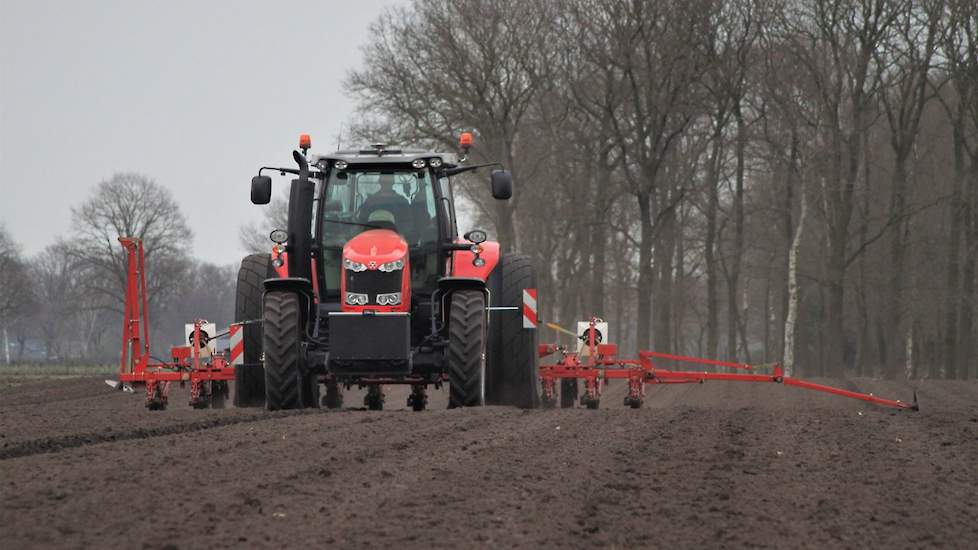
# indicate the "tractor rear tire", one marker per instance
pixel 285 379
pixel 467 349
pixel 568 393
pixel 512 354
pixel 249 380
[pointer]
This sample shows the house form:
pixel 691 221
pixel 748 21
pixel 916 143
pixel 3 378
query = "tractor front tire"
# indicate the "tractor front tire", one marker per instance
pixel 285 379
pixel 467 349
pixel 249 380
pixel 512 354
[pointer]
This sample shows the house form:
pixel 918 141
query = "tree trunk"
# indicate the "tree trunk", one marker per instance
pixel 505 226
pixel 767 313
pixel 862 302
pixel 596 301
pixel 733 276
pixel 968 306
pixel 951 291
pixel 709 248
pixel 664 251
pixel 894 299
pixel 645 275
pixel 679 307
pixel 839 194
pixel 789 231
pixel 790 323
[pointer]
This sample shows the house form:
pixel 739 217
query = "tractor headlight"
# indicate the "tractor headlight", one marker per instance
pixel 354 266
pixel 391 299
pixel 392 266
pixel 418 163
pixel 354 299
pixel 340 165
pixel 435 162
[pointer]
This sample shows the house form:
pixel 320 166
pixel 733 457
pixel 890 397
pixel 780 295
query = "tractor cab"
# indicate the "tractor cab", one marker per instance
pixel 377 220
pixel 373 264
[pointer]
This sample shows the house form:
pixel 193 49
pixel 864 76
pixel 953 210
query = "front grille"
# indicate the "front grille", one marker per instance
pixel 373 283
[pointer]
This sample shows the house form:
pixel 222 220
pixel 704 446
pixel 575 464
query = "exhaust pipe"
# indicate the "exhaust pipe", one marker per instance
pixel 300 221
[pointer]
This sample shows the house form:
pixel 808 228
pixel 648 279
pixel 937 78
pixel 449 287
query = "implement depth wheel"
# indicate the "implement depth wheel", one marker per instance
pixel 466 349
pixel 568 393
pixel 374 400
pixel 219 394
pixel 334 396
pixel 286 382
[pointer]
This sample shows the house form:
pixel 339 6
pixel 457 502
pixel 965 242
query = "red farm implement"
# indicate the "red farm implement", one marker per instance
pixel 595 362
pixel 207 370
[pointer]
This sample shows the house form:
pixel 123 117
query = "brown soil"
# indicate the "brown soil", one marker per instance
pixel 714 465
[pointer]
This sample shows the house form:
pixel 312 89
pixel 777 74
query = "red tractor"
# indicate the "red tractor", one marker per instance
pixel 371 285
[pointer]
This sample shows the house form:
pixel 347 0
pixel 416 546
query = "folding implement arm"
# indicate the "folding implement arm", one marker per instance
pixel 660 376
pixel 601 363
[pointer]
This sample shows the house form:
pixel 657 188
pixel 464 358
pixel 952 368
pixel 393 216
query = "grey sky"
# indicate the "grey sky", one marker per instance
pixel 196 95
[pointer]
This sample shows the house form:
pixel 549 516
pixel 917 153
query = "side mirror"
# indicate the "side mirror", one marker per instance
pixel 261 189
pixel 502 184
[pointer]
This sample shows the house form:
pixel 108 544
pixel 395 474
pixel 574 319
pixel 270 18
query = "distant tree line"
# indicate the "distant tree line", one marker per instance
pixel 65 303
pixel 716 177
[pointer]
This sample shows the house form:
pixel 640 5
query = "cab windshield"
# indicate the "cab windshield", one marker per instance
pixel 402 200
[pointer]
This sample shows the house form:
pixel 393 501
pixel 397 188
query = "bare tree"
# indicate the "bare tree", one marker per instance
pixel 16 288
pixel 959 50
pixel 130 205
pixel 254 236
pixel 441 66
pixel 15 282
pixel 833 42
pixel 791 318
pixel 904 59
pixel 651 56
pixel 60 300
pixel 663 153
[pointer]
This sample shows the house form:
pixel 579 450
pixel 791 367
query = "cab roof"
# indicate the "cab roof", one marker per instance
pixel 380 155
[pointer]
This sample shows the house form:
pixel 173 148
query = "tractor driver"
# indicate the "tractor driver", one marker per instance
pixel 386 199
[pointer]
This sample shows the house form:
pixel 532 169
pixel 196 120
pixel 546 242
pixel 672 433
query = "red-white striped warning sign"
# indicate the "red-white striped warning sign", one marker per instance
pixel 529 308
pixel 236 336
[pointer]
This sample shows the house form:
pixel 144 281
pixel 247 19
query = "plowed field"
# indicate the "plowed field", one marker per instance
pixel 713 465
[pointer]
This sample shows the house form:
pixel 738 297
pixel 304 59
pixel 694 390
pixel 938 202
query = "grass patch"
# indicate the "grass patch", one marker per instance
pixel 16 375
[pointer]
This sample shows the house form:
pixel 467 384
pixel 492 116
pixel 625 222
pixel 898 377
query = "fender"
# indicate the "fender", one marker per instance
pixel 291 284
pixel 448 285
pixel 282 272
pixel 462 261
pixel 299 286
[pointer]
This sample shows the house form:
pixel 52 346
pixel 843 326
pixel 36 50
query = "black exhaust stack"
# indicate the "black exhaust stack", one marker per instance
pixel 300 221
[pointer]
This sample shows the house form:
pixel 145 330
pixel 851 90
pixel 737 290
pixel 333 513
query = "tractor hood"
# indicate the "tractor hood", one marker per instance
pixel 376 247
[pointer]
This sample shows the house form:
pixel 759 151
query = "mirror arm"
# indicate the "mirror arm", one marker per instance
pixel 281 171
pixel 462 169
pixel 293 171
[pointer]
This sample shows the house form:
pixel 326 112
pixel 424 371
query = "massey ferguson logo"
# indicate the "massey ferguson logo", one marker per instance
pixel 371 265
